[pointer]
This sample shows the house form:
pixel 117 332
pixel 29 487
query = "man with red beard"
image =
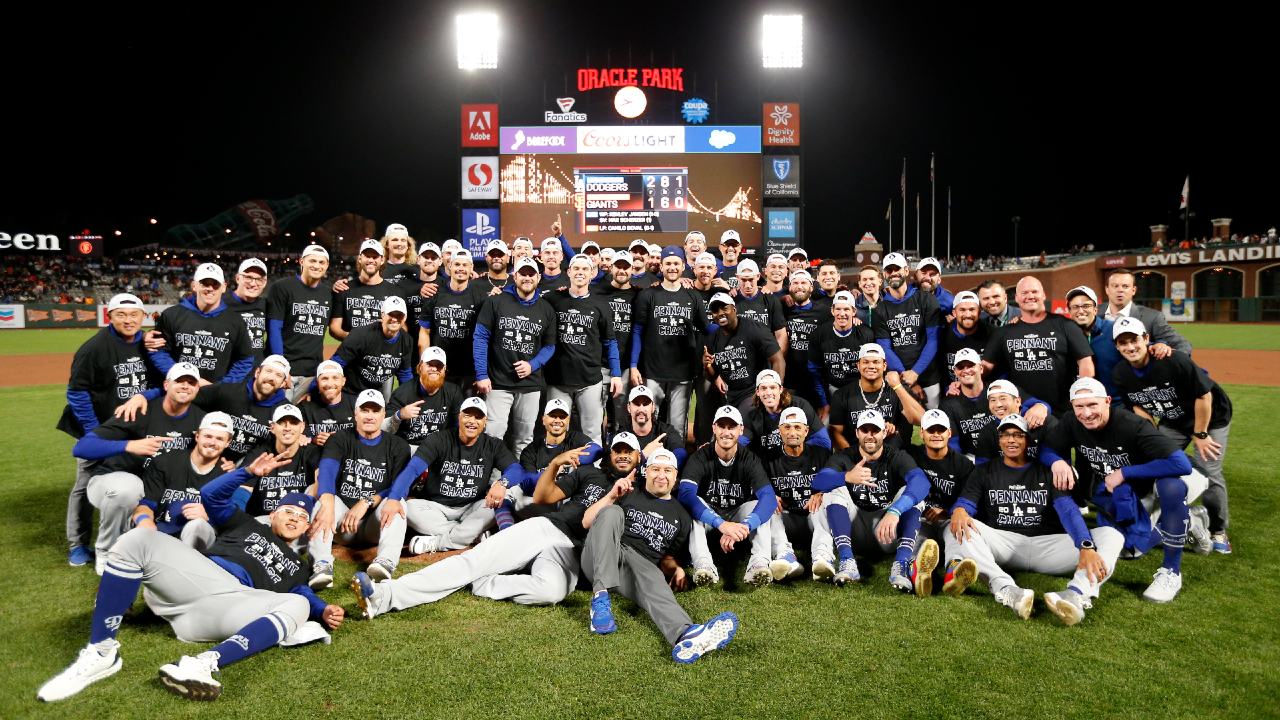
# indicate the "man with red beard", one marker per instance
pixel 420 408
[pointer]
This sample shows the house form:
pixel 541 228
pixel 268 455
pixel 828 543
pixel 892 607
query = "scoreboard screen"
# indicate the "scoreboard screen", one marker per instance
pixel 631 199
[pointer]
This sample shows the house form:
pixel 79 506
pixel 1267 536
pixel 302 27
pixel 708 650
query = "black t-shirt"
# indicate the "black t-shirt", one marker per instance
pixel 1169 390
pixel 111 371
pixel 252 420
pixel 1040 358
pixel 949 343
pixel 451 318
pixel 550 284
pixel 671 441
pixel 212 344
pixel 171 478
pixel 1125 440
pixel 763 308
pixel 837 353
pixel 361 304
pixel 254 315
pixel 671 347
pixel 296 476
pixel 396 271
pixel 905 325
pixel 437 412
pixel 179 432
pixel 365 470
pixel 802 323
pixel 516 332
pixel 946 476
pixel 322 418
pixel 987 444
pixel 460 474
pixel 654 527
pixel 738 357
pixel 968 418
pixel 762 428
pixel 582 487
pixel 644 280
pixel 410 283
pixel 371 359
pixel 888 472
pixel 622 304
pixel 537 455
pixel 304 315
pixel 269 561
pixel 792 477
pixel 725 487
pixel 850 400
pixel 583 326
pixel 1018 500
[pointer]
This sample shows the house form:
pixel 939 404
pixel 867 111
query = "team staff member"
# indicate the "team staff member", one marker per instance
pixel 620 294
pixel 876 389
pixel 515 336
pixel 967 410
pixel 947 471
pixel 906 325
pixel 584 335
pixel 996 309
pixel 804 314
pixel 929 279
pixel 199 330
pixel 1121 288
pixel 762 307
pixel 329 410
pixel 1042 353
pixel 833 356
pixel 1011 517
pixel 736 353
pixel 651 433
pixel 447 320
pixel 666 335
pixel 705 401
pixel 1082 306
pixel 791 471
pixel 260 495
pixel 1192 409
pixel 717 487
pixel 797 260
pixel 107 370
pixel 297 316
pixel 428 405
pixel 537 455
pixel 966 331
pixel 248 302
pixel 377 352
pixel 870 290
pixel 358 303
pixel 762 424
pixel 730 250
pixel 171 485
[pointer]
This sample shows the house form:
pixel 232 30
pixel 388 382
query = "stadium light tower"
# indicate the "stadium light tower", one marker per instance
pixel 477 41
pixel 783 41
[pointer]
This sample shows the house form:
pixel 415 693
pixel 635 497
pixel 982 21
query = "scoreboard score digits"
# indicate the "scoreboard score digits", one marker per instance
pixel 631 199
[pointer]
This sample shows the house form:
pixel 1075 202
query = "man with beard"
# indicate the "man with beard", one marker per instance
pixel 906 325
pixel 420 283
pixel 584 335
pixel 652 434
pixel 803 315
pixel 736 353
pixel 429 405
pixel 730 251
pixel 297 315
pixel 753 304
pixel 448 319
pixel 171 485
pixel 791 471
pixel 655 261
pixel 640 276
pixel 358 303
pixel 996 309
pixel 966 331
pixel 555 439
pixel 496 277
pixel 260 495
pixel 876 389
pixel 833 350
pixel 929 279
pixel 967 411
pixel 761 425
pixel 201 331
pixel 329 410
pixel 947 471
pixel 620 294
pixel 379 352
pixel 247 302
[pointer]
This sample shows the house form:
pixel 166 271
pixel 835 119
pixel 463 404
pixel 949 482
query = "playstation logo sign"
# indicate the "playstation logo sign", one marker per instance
pixel 566 114
pixel 479 126
pixel 478 228
pixel 480 178
pixel 482 226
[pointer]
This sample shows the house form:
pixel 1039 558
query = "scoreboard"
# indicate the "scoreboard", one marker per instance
pixel 631 199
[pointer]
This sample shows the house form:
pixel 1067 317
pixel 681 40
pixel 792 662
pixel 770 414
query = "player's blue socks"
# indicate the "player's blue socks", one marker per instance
pixel 841 526
pixel 505 515
pixel 116 592
pixel 1175 518
pixel 908 526
pixel 255 637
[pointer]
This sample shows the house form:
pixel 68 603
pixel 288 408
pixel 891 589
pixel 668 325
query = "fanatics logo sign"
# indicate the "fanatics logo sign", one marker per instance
pixel 479 126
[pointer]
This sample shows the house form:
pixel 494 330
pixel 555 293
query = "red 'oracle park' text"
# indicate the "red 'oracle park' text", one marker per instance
pixel 665 78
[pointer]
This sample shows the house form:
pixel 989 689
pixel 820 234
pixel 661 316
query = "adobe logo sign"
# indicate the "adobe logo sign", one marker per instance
pixel 480 178
pixel 479 126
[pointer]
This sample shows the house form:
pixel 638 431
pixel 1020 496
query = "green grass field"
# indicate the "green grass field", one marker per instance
pixel 808 650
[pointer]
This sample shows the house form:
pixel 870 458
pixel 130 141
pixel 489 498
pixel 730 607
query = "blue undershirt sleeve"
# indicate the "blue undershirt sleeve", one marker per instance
pixel 681 455
pixel 161 359
pixel 615 367
pixel 240 498
pixel 480 351
pixel 275 336
pixel 930 349
pixel 636 331
pixel 815 372
pixel 688 496
pixel 972 508
pixel 217 495
pixel 513 474
pixel 327 477
pixel 1047 456
pixel 239 370
pixel 766 504
pixel 890 357
pixel 400 488
pixel 92 447
pixel 827 480
pixel 314 602
pixel 82 407
pixel 820 438
pixel 593 453
pixel 404 376
pixel 917 490
pixel 544 354
pixel 954 444
pixel 1176 465
pixel 1072 520
pixel 152 394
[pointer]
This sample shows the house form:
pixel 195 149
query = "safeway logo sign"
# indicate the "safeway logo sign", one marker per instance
pixel 480 178
pixel 479 126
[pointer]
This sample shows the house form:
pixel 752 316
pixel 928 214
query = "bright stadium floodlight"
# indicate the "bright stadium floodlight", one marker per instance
pixel 783 41
pixel 478 41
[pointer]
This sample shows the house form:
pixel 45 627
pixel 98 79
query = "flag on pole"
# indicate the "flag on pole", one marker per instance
pixel 888 212
pixel 904 179
pixel 1186 190
pixel 931 157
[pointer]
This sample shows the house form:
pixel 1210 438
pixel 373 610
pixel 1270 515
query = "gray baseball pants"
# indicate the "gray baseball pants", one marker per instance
pixel 457 527
pixel 589 401
pixel 617 404
pixel 116 496
pixel 369 532
pixel 1215 496
pixel 677 396
pixel 704 409
pixel 201 601
pixel 787 523
pixel 79 509
pixel 997 552
pixel 517 409
pixel 615 567
pixel 862 535
pixel 761 538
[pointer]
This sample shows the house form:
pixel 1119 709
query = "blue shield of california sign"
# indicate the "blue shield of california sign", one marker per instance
pixel 780 176
pixel 781 168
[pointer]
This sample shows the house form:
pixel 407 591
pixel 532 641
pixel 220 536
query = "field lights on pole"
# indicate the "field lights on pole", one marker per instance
pixel 783 41
pixel 478 41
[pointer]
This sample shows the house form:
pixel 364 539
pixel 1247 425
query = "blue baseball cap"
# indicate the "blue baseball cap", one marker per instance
pixel 297 499
pixel 672 251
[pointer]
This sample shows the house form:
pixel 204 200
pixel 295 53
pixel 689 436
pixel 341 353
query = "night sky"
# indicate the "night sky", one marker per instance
pixel 1084 124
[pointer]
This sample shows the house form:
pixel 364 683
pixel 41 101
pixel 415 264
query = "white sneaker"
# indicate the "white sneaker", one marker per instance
pixel 424 544
pixel 1198 536
pixel 758 572
pixel 699 640
pixel 1068 605
pixel 192 678
pixel 1165 587
pixel 90 667
pixel 824 568
pixel 381 569
pixel 1017 599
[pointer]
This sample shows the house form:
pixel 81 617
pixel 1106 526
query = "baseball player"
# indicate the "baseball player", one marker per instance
pixel 968 411
pixel 1011 517
pixel 828 280
pixel 1003 398
pixel 245 592
pixel 651 433
pixel 260 495
pixel 419 281
pixel 695 243
pixel 448 320
pixel 1192 409
pixel 397 245
pixel 371 355
pixel 876 389
pixel 966 331
pixel 356 470
pixel 705 397
pixel 119 450
pixel 630 532
pixel 655 261
pixel 584 335
pixel 429 405
pixel 107 370
pixel 906 325
pixel 521 248
pixel 198 330
pixel 947 471
pixel 297 317
pixel 804 315
pixel 761 424
pixel 640 276
pixel 171 485
pixel 736 353
pixel 775 275
pixel 833 356
pixel 551 256
pixel 755 304
pixel 248 302
pixel 358 303
pixel 791 471
pixel 495 258
pixel 724 487
pixel 458 497
pixel 929 279
pixel 620 294
pixel 555 439
pixel 329 409
pixel 865 493
pixel 797 260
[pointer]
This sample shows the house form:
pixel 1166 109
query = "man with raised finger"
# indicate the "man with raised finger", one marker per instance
pixel 427 405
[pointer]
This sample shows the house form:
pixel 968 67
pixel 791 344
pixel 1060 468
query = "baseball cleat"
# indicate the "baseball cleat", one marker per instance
pixel 1067 605
pixel 758 573
pixel 322 576
pixel 960 575
pixel 424 544
pixel 365 590
pixel 899 577
pixel 380 569
pixel 80 556
pixel 848 573
pixel 192 678
pixel 1221 544
pixel 90 667
pixel 922 568
pixel 780 567
pixel 1017 599
pixel 1198 537
pixel 1164 588
pixel 702 639
pixel 823 568
pixel 796 569
pixel 705 574
pixel 602 614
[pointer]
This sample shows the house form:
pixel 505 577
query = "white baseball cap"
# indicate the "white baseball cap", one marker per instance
pixel 870 417
pixel 370 396
pixel 181 370
pixel 793 414
pixel 1087 387
pixel 590 244
pixel 692 233
pixel 638 392
pixel 1082 290
pixel 728 235
pixel 655 249
pixel 218 420
pixel 845 297
pixel 926 262
pixel 765 376
pixel 801 275
pixel 277 360
pixel 329 366
pixel 314 250
pixel 373 245
pixel 582 259
pixel 1015 420
pixel 550 243
pixel 451 244
pixel 705 258
pixel 520 240
pixel 624 258
pixel 429 246
pixel 523 263
pixel 286 410
pixel 966 355
pixel 1127 325
pixel 396 230
pixel 728 411
pixel 798 251
pixel 643 245
pixel 433 352
pixel 123 300
pixel 625 438
pixel 964 297
pixel 662 457
pixel 721 299
pixel 394 303
pixel 894 259
pixel 606 252
pixel 1003 386
pixel 748 267
pixel 496 245
pixel 253 264
pixel 870 350
pixel 474 403
pixel 776 257
pixel 210 271
pixel 934 418
pixel 556 404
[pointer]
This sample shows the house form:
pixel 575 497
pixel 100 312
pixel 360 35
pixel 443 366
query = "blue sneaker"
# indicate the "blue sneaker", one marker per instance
pixel 848 573
pixel 1221 544
pixel 699 640
pixel 80 556
pixel 602 614
pixel 365 589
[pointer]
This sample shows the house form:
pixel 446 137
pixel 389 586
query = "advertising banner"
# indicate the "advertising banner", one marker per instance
pixel 479 125
pixel 478 228
pixel 782 232
pixel 480 178
pixel 781 124
pixel 1178 307
pixel 11 316
pixel 614 139
pixel 60 315
pixel 781 175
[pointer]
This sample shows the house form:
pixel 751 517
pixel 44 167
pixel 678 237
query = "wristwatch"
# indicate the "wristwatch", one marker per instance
pixel 1087 545
pixel 1201 435
pixel 505 483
